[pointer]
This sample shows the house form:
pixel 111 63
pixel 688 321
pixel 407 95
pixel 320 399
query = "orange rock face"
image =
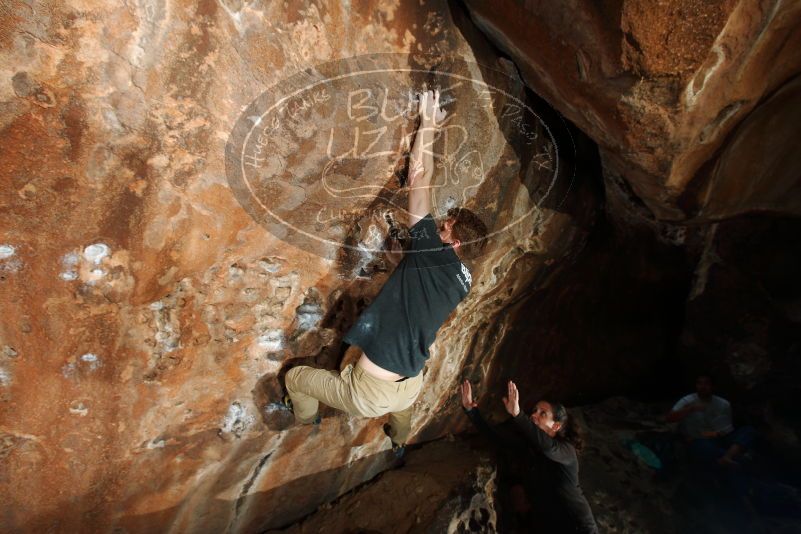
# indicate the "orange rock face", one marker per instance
pixel 195 197
pixel 150 302
pixel 664 87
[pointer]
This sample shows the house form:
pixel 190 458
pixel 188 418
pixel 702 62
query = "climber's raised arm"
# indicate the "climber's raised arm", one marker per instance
pixel 421 160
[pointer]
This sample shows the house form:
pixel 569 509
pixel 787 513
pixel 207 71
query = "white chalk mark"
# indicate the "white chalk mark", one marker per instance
pixel 691 93
pixel 79 409
pixel 95 253
pixel 156 444
pixel 271 340
pixel 236 18
pixel 237 420
pixel 69 370
pixel 92 359
pixel 6 251
pixel 70 262
pixel 309 315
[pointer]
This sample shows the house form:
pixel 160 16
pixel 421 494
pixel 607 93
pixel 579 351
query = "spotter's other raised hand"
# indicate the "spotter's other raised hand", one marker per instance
pixel 467 395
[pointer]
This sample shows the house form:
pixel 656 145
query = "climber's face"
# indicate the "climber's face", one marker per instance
pixel 446 232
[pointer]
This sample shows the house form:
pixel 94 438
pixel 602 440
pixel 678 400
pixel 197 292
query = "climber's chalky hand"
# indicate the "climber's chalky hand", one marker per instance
pixel 431 114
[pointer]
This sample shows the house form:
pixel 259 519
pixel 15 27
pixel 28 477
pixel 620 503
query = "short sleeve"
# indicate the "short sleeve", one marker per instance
pixel 424 235
pixel 722 422
pixel 727 412
pixel 683 402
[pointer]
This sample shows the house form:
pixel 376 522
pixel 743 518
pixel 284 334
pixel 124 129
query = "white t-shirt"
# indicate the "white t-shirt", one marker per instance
pixel 715 418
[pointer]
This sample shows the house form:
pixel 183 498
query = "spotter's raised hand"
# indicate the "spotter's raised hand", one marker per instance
pixel 512 399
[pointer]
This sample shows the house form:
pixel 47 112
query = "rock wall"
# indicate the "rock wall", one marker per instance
pixel 445 486
pixel 693 264
pixel 163 260
pixel 742 324
pixel 665 90
pixel 149 308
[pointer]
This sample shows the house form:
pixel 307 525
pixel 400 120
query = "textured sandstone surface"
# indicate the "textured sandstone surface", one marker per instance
pixel 149 305
pixel 665 87
pixel 147 313
pixel 445 486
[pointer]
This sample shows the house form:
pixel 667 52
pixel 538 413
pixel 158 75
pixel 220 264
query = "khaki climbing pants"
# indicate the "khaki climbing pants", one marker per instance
pixel 354 392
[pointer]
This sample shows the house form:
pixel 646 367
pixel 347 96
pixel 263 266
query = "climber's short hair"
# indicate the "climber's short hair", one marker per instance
pixel 470 230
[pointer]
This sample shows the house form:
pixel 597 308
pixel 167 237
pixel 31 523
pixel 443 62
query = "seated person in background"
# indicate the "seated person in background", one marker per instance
pixel 552 441
pixel 705 422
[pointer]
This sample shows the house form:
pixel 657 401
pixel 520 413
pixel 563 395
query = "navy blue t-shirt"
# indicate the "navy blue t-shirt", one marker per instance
pixel 399 326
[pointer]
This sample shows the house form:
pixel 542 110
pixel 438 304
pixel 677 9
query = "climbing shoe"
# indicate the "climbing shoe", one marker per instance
pixel 397 449
pixel 287 402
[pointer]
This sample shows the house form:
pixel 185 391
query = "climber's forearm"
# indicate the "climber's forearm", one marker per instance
pixel 416 155
pixel 421 170
pixel 428 150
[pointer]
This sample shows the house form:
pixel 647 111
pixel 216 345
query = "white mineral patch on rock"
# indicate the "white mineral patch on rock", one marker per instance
pixel 92 359
pixel 95 253
pixel 79 409
pixel 272 340
pixel 309 315
pixel 70 263
pixel 6 251
pixel 8 261
pixel 68 370
pixel 269 266
pixel 156 444
pixel 237 420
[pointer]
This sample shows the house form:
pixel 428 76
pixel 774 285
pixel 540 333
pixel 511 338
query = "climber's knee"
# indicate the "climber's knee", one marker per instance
pixel 291 378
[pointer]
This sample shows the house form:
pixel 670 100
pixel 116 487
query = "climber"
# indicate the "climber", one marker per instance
pixel 544 451
pixel 391 338
pixel 705 422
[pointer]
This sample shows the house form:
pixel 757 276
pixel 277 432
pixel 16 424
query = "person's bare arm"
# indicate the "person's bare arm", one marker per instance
pixel 421 160
pixel 675 416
